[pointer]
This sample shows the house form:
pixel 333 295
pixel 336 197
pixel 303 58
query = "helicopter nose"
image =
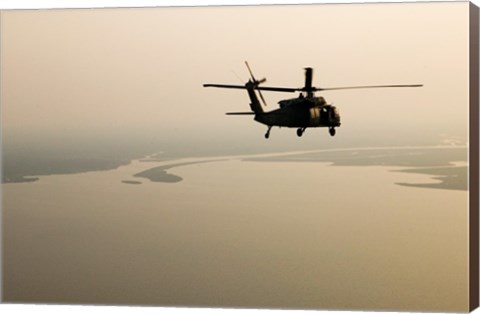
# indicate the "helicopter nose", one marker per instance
pixel 335 114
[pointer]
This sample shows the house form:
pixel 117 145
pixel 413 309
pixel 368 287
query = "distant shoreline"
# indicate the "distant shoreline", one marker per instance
pixel 160 174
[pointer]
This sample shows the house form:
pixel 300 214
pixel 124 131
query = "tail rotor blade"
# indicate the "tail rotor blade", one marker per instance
pixel 263 99
pixel 238 77
pixel 263 80
pixel 250 71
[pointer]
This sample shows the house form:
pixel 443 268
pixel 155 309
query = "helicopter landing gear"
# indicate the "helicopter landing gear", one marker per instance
pixel 267 135
pixel 300 131
pixel 331 131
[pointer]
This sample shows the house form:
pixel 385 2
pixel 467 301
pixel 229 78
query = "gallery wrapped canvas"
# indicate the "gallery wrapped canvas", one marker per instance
pixel 343 176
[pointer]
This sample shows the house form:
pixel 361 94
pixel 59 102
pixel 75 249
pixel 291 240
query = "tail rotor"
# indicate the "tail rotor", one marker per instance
pixel 257 82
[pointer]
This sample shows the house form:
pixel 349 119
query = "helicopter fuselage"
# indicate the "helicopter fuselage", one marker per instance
pixel 301 113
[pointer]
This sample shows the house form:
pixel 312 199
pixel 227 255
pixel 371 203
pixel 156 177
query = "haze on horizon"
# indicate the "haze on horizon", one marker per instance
pixel 138 73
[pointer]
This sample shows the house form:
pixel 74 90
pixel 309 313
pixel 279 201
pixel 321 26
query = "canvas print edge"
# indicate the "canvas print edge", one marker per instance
pixel 474 138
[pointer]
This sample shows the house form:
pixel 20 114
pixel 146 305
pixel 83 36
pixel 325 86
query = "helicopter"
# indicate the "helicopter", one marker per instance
pixel 302 112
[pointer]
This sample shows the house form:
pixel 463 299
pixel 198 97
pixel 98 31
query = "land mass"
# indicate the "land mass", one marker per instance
pixel 160 174
pixel 131 182
pixel 438 162
pixel 450 178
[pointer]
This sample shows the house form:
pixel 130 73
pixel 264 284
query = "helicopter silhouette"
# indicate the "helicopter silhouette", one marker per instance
pixel 302 112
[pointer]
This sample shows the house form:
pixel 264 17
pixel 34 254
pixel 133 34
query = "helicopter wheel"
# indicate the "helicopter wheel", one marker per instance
pixel 300 132
pixel 332 131
pixel 267 135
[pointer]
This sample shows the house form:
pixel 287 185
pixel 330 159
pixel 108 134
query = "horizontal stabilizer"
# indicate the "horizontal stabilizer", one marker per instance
pixel 240 113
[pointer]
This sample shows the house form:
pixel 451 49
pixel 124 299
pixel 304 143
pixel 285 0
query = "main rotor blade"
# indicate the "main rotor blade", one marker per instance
pixel 358 87
pixel 279 89
pixel 272 89
pixel 225 86
pixel 315 89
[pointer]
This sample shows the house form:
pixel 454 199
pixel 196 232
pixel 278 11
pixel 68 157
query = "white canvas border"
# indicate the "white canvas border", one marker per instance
pixel 74 309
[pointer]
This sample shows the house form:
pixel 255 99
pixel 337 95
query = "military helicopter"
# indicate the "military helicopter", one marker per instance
pixel 302 112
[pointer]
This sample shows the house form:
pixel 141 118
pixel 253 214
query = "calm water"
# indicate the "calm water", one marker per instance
pixel 238 233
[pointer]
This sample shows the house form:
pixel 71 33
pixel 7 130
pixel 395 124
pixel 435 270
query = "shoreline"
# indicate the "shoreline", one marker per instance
pixel 159 172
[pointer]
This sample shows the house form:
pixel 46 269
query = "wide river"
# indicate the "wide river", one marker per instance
pixel 237 233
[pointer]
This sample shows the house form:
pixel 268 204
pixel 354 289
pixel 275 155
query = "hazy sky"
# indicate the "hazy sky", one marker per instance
pixel 115 71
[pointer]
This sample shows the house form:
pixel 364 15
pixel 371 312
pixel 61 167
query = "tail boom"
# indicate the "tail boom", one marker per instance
pixel 255 105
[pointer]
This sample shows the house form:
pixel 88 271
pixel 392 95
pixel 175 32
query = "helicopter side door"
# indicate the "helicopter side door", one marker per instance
pixel 315 117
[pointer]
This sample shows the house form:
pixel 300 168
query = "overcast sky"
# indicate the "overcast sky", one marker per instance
pixel 112 71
